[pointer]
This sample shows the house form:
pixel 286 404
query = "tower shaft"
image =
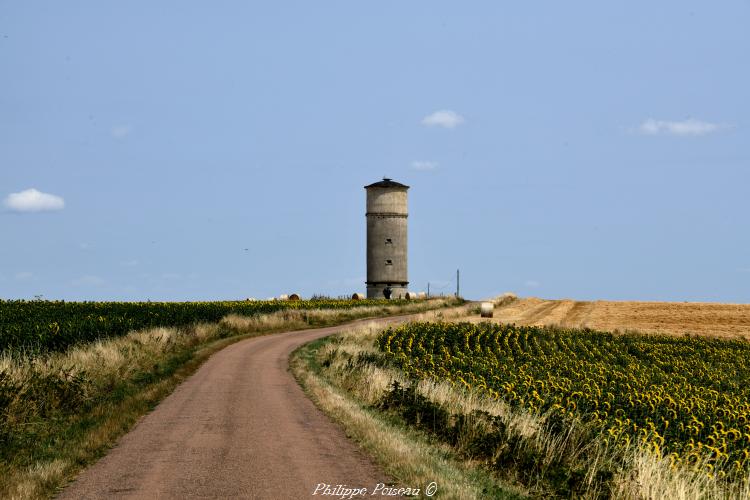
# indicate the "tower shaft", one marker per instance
pixel 387 244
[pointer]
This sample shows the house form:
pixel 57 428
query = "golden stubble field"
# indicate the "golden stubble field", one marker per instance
pixel 675 318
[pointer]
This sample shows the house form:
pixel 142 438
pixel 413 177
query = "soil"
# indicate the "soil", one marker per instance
pixel 240 427
pixel 673 318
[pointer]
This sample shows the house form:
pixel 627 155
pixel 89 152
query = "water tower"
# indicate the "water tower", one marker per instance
pixel 386 239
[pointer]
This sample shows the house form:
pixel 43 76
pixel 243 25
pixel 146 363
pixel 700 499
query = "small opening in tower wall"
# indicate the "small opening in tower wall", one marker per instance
pixel 388 241
pixel 388 262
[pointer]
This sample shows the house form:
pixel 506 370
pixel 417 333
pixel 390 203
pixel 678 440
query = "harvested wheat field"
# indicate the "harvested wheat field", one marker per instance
pixel 676 318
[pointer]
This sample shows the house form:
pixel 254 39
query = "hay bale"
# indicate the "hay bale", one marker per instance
pixel 486 309
pixel 283 296
pixel 421 295
pixel 293 296
pixel 250 299
pixel 410 295
pixel 358 296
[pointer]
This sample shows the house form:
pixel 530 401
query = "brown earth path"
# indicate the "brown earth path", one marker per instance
pixel 240 427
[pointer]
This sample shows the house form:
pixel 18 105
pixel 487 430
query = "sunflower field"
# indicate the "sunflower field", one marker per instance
pixel 686 398
pixel 55 325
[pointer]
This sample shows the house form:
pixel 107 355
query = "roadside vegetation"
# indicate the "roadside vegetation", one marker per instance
pixel 43 326
pixel 543 412
pixel 61 410
pixel 343 376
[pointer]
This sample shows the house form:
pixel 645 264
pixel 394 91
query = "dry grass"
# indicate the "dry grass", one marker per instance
pixel 299 318
pixel 404 453
pixel 83 376
pixel 347 389
pixel 52 395
pixel 675 318
pixel 418 463
pixel 116 357
pixel 368 382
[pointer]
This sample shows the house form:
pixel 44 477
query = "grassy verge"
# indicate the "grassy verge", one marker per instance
pixel 412 457
pixel 475 446
pixel 62 411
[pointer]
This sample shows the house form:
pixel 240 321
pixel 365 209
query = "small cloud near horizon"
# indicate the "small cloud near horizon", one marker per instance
pixel 443 118
pixel 33 200
pixel 423 165
pixel 121 131
pixel 689 127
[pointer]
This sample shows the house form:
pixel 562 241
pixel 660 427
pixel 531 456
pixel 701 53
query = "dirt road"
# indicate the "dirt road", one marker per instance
pixel 240 427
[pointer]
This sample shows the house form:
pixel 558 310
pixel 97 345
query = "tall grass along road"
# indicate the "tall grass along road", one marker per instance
pixel 239 427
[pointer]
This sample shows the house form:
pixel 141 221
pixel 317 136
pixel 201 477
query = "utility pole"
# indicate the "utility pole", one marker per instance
pixel 428 289
pixel 458 282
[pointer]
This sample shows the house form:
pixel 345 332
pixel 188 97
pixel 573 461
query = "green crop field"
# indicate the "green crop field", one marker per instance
pixel 686 398
pixel 54 326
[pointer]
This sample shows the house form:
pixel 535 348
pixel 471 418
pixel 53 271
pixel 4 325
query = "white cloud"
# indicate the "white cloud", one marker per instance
pixel 88 280
pixel 121 131
pixel 443 118
pixel 423 165
pixel 532 284
pixel 32 200
pixel 689 127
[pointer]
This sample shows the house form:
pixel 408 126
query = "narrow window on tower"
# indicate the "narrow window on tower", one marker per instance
pixel 388 241
pixel 388 262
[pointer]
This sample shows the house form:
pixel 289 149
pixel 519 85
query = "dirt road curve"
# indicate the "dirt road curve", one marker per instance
pixel 240 427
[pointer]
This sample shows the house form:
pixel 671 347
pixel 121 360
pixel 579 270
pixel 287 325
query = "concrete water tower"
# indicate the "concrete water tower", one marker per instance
pixel 386 239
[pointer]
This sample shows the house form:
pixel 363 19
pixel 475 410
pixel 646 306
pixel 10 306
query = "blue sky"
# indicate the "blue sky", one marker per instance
pixel 589 150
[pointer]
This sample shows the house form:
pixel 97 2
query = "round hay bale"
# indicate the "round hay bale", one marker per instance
pixel 410 295
pixel 358 296
pixel 421 295
pixel 486 309
pixel 283 296
pixel 293 296
pixel 250 299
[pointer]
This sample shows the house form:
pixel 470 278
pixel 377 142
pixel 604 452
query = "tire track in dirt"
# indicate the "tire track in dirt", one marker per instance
pixel 535 311
pixel 578 314
pixel 547 312
pixel 672 318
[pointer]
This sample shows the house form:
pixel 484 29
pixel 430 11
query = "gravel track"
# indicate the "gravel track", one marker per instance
pixel 239 427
